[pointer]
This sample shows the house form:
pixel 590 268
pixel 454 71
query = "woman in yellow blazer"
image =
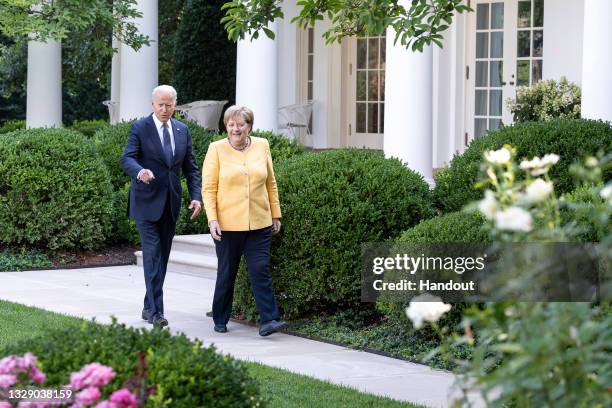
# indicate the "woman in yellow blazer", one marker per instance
pixel 243 210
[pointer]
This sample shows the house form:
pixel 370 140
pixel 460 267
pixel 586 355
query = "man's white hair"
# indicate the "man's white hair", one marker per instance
pixel 165 89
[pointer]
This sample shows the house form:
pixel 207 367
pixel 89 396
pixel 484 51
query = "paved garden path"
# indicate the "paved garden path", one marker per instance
pixel 118 291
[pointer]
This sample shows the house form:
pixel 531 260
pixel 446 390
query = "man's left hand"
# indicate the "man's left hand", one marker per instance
pixel 197 207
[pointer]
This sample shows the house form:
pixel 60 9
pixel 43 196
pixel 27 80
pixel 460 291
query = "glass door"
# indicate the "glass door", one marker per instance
pixel 367 92
pixel 504 51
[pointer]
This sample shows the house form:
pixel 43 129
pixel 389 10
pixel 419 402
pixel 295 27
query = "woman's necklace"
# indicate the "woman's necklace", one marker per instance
pixel 244 146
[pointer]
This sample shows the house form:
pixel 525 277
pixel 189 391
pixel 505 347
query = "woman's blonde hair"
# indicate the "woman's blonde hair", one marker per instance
pixel 242 111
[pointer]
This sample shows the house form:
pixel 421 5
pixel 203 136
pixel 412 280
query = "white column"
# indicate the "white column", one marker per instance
pixel 257 79
pixel 409 106
pixel 44 86
pixel 597 60
pixel 139 70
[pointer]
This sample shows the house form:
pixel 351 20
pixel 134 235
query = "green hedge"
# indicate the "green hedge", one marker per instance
pixel 578 209
pixel 54 190
pixel 12 125
pixel 332 202
pixel 571 139
pixel 186 374
pixel 89 127
pixel 455 227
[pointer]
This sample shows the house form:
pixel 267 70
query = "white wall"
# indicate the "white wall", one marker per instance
pixel 563 35
pixel 287 56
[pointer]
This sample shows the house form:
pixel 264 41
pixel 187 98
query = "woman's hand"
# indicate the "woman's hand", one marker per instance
pixel 276 225
pixel 215 230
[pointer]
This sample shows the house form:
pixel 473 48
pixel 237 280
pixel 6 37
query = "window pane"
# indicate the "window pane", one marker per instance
pixel 310 66
pixel 481 73
pixel 382 86
pixel 373 86
pixel 497 15
pixel 361 53
pixel 494 124
pixel 481 103
pixel 383 52
pixel 382 118
pixel 310 40
pixel 372 118
pixel 373 53
pixel 538 13
pixel 524 44
pixel 524 14
pixel 361 85
pixel 536 71
pixel 482 17
pixel 497 45
pixel 361 118
pixel 482 45
pixel 522 73
pixel 480 127
pixel 538 39
pixel 495 102
pixel 496 73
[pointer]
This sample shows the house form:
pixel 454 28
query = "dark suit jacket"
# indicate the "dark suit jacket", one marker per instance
pixel 144 150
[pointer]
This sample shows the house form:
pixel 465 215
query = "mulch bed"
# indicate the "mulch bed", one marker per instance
pixel 112 255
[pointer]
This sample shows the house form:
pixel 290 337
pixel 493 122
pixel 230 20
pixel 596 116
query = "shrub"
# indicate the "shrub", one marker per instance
pixel 124 229
pixel 455 227
pixel 17 261
pixel 89 127
pixel 12 125
pixel 54 190
pixel 578 210
pixel 547 100
pixel 185 374
pixel 332 202
pixel 280 146
pixel 570 139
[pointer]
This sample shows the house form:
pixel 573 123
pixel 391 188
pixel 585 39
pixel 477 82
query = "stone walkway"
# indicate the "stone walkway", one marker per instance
pixel 118 291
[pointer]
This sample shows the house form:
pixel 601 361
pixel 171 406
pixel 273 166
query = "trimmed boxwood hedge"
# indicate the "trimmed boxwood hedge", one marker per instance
pixel 571 139
pixel 455 227
pixel 332 202
pixel 186 374
pixel 54 190
pixel 582 215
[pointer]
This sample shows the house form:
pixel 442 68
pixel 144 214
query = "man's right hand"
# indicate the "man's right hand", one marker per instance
pixel 215 230
pixel 145 175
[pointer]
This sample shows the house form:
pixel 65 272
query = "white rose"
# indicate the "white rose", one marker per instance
pixel 500 156
pixel 488 206
pixel 538 191
pixel 513 219
pixel 426 308
pixel 550 159
pixel 606 192
pixel 531 164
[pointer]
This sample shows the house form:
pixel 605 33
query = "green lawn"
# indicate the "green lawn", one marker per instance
pixel 282 388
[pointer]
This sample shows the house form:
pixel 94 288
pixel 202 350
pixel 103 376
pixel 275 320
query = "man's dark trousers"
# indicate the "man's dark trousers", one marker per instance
pixel 156 238
pixel 255 245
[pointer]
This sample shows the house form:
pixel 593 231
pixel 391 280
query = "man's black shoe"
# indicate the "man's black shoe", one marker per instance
pixel 273 326
pixel 220 328
pixel 146 315
pixel 158 320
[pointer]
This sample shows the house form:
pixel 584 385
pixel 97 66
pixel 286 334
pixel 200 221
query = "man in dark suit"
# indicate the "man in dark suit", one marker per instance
pixel 158 150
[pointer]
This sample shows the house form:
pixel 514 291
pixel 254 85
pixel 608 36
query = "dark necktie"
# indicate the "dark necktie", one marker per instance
pixel 167 146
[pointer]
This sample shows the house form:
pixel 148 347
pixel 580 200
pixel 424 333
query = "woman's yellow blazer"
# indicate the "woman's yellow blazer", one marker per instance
pixel 238 187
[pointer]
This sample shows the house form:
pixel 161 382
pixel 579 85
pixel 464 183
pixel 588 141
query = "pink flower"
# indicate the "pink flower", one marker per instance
pixel 36 375
pixel 7 380
pixel 105 404
pixel 92 375
pixel 88 396
pixel 8 364
pixel 123 398
pixel 4 404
